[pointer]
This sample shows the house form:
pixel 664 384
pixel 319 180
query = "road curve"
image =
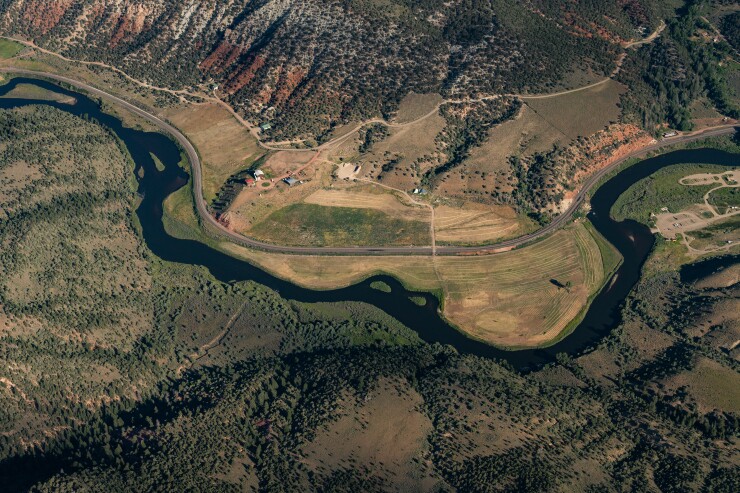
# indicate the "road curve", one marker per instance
pixel 220 230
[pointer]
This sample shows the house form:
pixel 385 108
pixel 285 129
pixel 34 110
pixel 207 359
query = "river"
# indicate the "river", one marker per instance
pixel 633 240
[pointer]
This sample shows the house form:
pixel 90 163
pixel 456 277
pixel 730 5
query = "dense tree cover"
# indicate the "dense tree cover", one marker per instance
pixel 667 76
pixel 730 28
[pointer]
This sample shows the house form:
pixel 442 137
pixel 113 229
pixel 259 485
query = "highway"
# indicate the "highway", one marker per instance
pixel 219 229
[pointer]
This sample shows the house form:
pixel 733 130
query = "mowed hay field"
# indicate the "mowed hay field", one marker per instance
pixel 580 113
pixel 370 197
pixel 224 145
pixel 304 224
pixel 489 297
pixel 522 306
pixel 476 224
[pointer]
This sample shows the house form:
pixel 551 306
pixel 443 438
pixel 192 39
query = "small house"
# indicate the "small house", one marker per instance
pixel 250 182
pixel 290 181
pixel 258 174
pixel 265 126
pixel 669 134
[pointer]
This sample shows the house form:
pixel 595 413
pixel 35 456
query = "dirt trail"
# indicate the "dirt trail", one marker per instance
pixel 203 350
pixel 279 146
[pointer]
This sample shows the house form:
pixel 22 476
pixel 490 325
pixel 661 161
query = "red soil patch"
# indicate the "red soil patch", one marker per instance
pixel 245 76
pixel 224 55
pixel 287 84
pixel 44 15
pixel 131 23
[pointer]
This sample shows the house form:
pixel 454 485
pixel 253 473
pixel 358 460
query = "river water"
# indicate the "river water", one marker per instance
pixel 633 240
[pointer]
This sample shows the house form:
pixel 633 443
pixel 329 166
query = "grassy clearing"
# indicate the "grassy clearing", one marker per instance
pixel 377 437
pixel 414 106
pixel 662 189
pixel 407 149
pixel 418 300
pixel 666 256
pixel 725 198
pixel 225 146
pixel 717 234
pixel 9 49
pixel 28 91
pixel 710 386
pixel 610 256
pixel 526 134
pixel 581 113
pixel 310 224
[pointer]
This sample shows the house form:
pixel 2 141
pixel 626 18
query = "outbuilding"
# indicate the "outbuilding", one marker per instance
pixel 290 181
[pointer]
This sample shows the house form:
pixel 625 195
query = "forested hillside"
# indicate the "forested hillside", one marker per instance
pixel 308 64
pixel 121 372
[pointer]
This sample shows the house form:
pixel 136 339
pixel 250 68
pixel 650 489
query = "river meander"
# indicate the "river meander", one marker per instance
pixel 633 240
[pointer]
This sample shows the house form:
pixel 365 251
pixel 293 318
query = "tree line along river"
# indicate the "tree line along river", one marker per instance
pixel 633 240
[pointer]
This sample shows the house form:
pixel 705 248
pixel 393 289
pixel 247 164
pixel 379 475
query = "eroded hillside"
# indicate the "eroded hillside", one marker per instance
pixel 307 64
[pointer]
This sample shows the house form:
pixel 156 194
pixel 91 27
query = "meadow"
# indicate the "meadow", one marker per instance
pixel 9 49
pixel 316 225
pixel 662 189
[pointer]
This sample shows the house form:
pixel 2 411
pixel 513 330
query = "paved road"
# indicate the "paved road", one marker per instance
pixel 217 228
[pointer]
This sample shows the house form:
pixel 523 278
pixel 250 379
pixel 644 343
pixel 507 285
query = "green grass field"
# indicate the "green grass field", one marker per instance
pixel 662 189
pixel 724 198
pixel 9 49
pixel 310 224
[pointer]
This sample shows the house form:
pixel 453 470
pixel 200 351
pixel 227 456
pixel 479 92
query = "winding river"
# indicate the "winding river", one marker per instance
pixel 633 240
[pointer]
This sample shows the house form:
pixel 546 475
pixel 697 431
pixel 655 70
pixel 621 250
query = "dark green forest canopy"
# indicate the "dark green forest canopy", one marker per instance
pixel 126 401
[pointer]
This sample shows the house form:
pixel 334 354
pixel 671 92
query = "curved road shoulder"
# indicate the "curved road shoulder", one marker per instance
pixel 242 240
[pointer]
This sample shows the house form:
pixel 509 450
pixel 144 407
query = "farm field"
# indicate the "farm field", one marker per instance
pixel 475 224
pixel 305 224
pixel 225 146
pixel 488 297
pixel 370 197
pixel 581 113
